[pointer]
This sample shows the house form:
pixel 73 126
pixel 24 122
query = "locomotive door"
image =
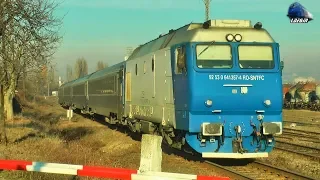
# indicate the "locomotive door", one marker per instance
pixel 180 86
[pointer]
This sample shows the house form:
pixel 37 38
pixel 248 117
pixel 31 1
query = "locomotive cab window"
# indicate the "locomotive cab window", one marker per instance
pixel 255 57
pixel 214 56
pixel 180 60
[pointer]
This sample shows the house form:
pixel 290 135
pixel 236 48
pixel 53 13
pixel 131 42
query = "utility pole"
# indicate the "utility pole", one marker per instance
pixel 24 83
pixel 207 9
pixel 50 75
pixel 48 88
pixel 48 80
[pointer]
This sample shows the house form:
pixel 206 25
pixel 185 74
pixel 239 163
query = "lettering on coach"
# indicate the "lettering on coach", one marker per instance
pixel 237 77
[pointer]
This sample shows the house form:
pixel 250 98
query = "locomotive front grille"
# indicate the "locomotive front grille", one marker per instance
pixel 211 129
pixel 272 128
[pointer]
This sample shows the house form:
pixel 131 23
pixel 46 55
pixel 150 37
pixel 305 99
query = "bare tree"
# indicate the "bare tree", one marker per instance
pixel 29 37
pixel 36 83
pixel 101 65
pixel 53 84
pixel 69 73
pixel 81 68
pixel 48 77
pixel 3 136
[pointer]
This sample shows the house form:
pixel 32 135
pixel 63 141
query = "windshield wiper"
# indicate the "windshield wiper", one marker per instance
pixel 206 48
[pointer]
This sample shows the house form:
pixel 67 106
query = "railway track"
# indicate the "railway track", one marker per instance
pixel 302 123
pixel 298 149
pixel 258 170
pixel 303 138
pixel 249 171
pixel 302 132
pixel 308 136
pixel 301 135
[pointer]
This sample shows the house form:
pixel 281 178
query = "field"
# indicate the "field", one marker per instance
pixel 299 163
pixel 42 133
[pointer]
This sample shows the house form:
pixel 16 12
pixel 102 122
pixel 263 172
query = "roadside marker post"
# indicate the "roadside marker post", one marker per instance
pixel 69 113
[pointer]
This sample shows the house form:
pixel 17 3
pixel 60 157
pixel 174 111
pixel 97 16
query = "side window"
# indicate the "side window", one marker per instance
pixel 180 60
pixel 152 64
pixel 137 69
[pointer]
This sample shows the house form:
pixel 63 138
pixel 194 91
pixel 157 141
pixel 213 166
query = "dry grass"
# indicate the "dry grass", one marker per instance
pixel 42 133
pixel 304 116
pixel 295 162
pixel 301 115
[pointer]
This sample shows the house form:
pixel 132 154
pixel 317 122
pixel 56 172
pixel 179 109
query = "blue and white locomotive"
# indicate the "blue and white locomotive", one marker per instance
pixel 214 88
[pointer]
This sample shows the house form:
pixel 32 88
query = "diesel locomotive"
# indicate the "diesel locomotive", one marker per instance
pixel 213 88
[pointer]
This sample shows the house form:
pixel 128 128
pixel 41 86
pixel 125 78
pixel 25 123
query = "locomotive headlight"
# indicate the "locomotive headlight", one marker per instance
pixel 229 37
pixel 267 102
pixel 238 37
pixel 208 103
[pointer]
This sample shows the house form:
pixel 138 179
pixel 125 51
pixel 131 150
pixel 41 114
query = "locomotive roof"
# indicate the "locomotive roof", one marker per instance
pixel 194 32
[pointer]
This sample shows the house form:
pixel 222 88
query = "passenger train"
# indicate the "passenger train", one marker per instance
pixel 213 88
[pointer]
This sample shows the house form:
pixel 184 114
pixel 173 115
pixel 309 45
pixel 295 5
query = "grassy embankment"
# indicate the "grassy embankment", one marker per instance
pixel 42 133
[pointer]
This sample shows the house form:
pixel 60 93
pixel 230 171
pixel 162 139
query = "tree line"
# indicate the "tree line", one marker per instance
pixel 81 69
pixel 29 36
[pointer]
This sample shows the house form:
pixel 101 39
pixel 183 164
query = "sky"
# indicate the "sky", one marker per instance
pixel 101 30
